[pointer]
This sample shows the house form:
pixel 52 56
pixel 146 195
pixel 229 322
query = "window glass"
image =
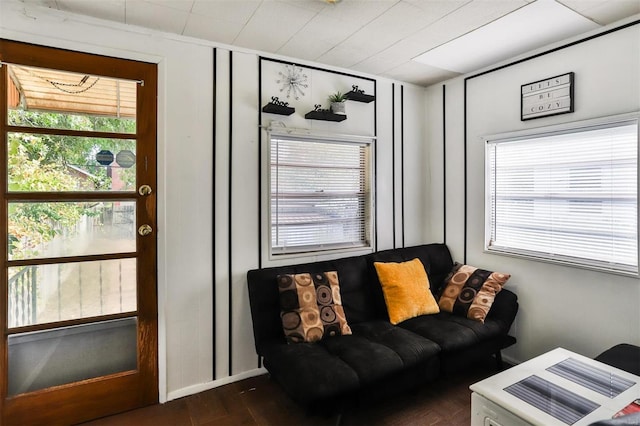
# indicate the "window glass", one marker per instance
pixel 568 196
pixel 40 230
pixel 40 294
pixel 78 354
pixel 320 196
pixel 52 163
pixel 54 99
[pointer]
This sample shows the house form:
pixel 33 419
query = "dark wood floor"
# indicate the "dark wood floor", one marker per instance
pixel 260 401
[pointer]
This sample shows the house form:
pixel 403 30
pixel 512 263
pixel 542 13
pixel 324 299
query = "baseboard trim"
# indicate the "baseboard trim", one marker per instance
pixel 508 360
pixel 201 387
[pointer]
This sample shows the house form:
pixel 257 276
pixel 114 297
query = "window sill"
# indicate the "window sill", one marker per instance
pixel 562 262
pixel 321 254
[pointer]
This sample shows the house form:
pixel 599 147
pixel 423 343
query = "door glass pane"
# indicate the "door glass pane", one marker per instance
pixel 45 98
pixel 40 163
pixel 55 229
pixel 48 358
pixel 41 294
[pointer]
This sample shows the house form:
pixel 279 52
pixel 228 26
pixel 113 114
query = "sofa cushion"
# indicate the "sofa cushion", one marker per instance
pixel 309 372
pixel 470 291
pixel 452 332
pixel 311 306
pixel 411 348
pixel 375 351
pixel 405 286
pixel 378 349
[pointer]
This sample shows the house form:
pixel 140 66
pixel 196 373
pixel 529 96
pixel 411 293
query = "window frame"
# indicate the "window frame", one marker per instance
pixel 370 185
pixel 554 130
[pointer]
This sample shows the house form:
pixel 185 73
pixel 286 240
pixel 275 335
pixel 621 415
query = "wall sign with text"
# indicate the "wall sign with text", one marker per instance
pixel 547 97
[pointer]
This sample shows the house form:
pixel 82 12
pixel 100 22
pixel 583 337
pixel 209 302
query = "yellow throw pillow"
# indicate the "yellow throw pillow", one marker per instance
pixel 406 290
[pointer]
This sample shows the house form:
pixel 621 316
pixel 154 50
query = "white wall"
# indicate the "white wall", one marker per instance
pixel 578 309
pixel 208 235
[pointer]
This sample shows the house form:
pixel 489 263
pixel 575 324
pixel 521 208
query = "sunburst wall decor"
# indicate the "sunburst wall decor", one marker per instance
pixel 293 80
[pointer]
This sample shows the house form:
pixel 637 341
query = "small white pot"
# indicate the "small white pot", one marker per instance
pixel 338 108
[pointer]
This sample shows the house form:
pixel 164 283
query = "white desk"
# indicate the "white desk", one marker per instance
pixel 546 391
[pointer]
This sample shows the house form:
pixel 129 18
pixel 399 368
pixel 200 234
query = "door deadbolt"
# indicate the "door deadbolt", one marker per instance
pixel 144 190
pixel 145 230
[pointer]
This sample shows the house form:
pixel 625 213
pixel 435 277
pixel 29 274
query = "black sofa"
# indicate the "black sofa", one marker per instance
pixel 378 358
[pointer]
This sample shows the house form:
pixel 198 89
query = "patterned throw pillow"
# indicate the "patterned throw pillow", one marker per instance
pixel 470 291
pixel 311 307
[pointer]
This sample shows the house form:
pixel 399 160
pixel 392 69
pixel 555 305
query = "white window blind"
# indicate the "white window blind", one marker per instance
pixel 568 196
pixel 320 194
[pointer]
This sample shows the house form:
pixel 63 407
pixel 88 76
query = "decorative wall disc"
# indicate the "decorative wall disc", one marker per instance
pixel 293 80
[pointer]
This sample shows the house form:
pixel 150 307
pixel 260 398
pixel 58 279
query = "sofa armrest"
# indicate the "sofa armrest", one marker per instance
pixel 504 308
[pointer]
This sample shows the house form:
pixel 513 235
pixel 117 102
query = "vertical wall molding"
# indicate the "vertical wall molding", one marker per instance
pixel 393 160
pixel 444 163
pixel 214 210
pixel 230 271
pixel 375 166
pixel 402 162
pixel 466 184
pixel 259 108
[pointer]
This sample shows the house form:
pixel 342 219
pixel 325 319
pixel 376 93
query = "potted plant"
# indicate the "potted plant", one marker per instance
pixel 338 102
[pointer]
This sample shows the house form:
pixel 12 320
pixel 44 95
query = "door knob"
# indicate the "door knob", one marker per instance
pixel 144 190
pixel 145 230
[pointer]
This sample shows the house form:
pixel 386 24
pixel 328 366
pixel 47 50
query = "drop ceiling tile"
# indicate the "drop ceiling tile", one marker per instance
pixel 359 12
pixel 317 37
pixel 398 22
pixel 111 10
pixel 272 25
pixel 420 74
pixel 582 5
pixel 463 20
pixel 185 5
pixel 377 64
pixel 151 15
pixel 314 5
pixel 401 52
pixel 604 12
pixel 438 7
pixel 208 28
pixel 343 56
pixel 238 11
pixel 51 4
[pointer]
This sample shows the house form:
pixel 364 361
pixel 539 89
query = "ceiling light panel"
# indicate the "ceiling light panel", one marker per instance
pixel 532 26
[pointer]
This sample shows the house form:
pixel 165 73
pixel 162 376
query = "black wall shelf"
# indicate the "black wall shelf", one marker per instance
pixel 325 116
pixel 278 109
pixel 360 97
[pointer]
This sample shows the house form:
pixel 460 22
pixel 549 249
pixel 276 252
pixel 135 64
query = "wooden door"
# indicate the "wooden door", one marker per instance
pixel 78 300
